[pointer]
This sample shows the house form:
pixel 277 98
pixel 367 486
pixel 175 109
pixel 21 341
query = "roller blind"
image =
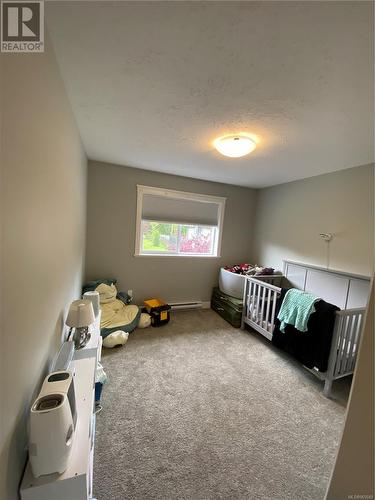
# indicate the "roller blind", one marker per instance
pixel 176 207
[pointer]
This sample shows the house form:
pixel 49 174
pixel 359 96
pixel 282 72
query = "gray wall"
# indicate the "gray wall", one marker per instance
pixel 111 235
pixel 43 207
pixel 291 216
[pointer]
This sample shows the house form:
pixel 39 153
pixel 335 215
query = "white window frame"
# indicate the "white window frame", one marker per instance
pixel 181 195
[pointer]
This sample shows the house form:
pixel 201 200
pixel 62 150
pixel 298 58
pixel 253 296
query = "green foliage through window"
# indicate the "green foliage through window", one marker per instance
pixel 168 238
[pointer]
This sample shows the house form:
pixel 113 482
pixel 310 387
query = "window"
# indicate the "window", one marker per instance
pixel 175 223
pixel 184 239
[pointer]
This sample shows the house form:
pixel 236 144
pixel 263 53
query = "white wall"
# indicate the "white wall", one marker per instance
pixel 289 218
pixel 43 207
pixel 112 191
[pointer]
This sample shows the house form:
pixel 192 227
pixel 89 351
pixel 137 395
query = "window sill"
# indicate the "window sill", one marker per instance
pixel 194 256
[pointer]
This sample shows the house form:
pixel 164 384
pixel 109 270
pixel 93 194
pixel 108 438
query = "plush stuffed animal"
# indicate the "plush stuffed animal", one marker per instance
pixel 117 314
pixel 115 339
pixel 144 320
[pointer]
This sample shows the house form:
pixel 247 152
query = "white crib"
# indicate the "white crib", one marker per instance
pixel 347 291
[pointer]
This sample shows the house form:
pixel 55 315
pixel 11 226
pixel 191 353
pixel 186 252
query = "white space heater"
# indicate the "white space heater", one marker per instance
pixel 187 305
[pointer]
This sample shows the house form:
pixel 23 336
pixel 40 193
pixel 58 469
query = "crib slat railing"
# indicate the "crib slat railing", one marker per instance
pixel 248 288
pixel 333 359
pixel 245 302
pixel 269 291
pixel 356 342
pixel 260 299
pixel 353 348
pixel 347 343
pixel 349 324
pixel 262 307
pixel 272 319
pixel 351 344
pixel 341 330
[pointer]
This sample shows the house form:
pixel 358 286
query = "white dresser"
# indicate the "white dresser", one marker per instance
pixel 76 482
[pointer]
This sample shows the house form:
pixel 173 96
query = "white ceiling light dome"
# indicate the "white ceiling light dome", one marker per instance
pixel 235 145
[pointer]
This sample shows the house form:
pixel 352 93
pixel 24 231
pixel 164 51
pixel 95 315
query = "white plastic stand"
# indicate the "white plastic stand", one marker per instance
pixel 76 482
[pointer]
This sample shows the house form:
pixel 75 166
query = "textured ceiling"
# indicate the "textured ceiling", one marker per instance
pixel 153 83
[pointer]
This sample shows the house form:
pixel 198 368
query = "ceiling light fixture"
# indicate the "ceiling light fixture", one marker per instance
pixel 235 145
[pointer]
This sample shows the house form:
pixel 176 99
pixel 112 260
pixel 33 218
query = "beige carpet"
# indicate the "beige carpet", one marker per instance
pixel 200 410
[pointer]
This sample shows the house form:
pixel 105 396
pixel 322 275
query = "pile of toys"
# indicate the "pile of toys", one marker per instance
pixel 250 270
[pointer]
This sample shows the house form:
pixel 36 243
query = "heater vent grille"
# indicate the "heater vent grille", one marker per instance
pixel 196 304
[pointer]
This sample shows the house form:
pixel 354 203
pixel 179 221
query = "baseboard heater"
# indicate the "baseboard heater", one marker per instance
pixel 188 305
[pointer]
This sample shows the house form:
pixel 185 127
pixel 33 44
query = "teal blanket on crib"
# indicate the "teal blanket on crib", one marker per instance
pixel 296 309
